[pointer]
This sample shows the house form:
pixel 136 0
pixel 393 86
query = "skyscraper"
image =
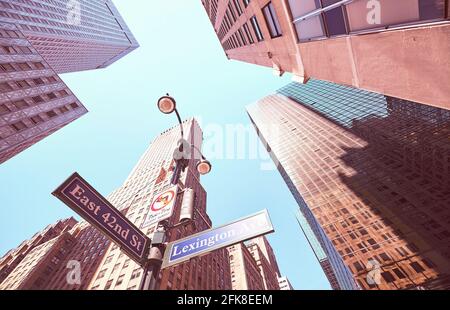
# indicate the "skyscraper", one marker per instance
pixel 13 258
pixel 285 284
pixel 151 176
pixel 34 101
pixel 72 35
pixel 64 256
pixel 102 264
pixel 39 39
pixel 245 273
pixel 265 260
pixel 254 266
pixel 371 176
pixel 397 48
pixel 36 269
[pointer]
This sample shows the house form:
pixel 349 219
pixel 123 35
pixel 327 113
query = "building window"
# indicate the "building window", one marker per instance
pixel 22 84
pixel 399 273
pixel 238 7
pixel 120 280
pixel 406 11
pixel 246 3
pixel 230 8
pixel 334 19
pixel 248 33
pixel 244 41
pixel 38 81
pixel 272 20
pixel 101 274
pixel 25 50
pixel 257 29
pixel 51 114
pixel 388 277
pixel 7 50
pixel 37 99
pixel 4 109
pixel 6 68
pixel 5 87
pixel 108 284
pixel 19 126
pixel 136 273
pixel 417 267
pixel 320 18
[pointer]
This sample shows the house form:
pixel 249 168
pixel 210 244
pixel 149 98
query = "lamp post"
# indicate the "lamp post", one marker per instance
pixel 167 105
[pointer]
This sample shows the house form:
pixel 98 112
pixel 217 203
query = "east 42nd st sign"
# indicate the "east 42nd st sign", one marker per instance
pixel 94 208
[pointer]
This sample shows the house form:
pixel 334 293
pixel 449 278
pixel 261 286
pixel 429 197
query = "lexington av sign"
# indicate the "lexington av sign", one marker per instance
pixel 82 198
pixel 216 238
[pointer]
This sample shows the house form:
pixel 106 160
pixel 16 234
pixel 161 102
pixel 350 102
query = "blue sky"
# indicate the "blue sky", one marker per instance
pixel 179 54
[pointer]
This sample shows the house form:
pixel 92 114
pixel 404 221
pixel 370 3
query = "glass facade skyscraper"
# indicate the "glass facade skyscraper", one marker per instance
pixel 371 174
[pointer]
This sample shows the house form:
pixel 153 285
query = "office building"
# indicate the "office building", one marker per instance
pixel 371 176
pixel 34 101
pixel 102 265
pixel 151 176
pixel 71 36
pixel 254 266
pixel 39 40
pixel 285 285
pixel 64 256
pixel 268 271
pixel 14 257
pixel 397 48
pixel 245 273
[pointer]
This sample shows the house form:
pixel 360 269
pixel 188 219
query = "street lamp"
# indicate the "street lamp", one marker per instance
pixel 168 105
pixel 204 166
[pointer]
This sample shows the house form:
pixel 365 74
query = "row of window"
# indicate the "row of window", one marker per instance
pixel 243 36
pixel 95 27
pixel 28 102
pixel 232 13
pixel 38 119
pixel 28 83
pixel 238 39
pixel 5 33
pixel 15 50
pixel 21 66
pixel 315 19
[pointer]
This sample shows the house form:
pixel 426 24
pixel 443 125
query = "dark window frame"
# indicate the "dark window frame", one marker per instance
pixel 271 9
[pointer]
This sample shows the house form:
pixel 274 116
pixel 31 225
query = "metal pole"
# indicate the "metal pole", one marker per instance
pixel 181 123
pixel 152 269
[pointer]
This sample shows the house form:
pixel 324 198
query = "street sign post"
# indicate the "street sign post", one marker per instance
pixel 82 198
pixel 161 207
pixel 216 238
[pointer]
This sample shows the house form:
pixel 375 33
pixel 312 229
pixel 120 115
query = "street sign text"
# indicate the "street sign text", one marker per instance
pixel 216 238
pixel 81 197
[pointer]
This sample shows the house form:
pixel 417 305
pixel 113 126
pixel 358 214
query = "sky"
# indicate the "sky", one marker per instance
pixel 181 55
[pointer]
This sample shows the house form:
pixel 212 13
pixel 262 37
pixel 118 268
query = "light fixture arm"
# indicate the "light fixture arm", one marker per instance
pixel 180 122
pixel 198 150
